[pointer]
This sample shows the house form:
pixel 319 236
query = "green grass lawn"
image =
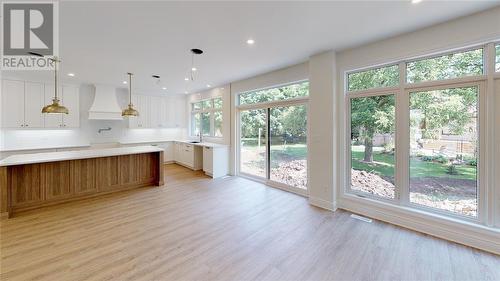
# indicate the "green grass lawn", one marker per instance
pixel 384 165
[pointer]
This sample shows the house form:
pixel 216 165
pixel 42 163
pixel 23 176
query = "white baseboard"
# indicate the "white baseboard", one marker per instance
pixel 469 234
pixel 321 203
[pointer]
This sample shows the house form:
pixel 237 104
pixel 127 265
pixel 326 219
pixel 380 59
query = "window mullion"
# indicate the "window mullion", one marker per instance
pixel 402 139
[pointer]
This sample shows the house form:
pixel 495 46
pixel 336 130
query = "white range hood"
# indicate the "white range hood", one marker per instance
pixel 105 106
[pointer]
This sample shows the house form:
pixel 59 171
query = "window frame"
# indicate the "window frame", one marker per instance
pixel 251 105
pixel 211 111
pixel 487 203
pixel 480 186
pixel 442 54
pixel 385 65
pixel 495 57
pixel 349 150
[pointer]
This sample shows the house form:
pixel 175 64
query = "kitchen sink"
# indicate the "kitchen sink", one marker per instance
pixel 194 142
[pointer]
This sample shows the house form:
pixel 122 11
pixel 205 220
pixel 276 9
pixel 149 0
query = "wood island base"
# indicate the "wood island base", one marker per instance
pixel 30 186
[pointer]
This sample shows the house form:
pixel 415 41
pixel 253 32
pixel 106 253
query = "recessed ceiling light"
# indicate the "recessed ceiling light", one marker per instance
pixel 194 69
pixel 250 41
pixel 416 1
pixel 164 88
pixel 186 92
pixel 124 82
pixel 186 79
pixel 208 86
pixel 71 74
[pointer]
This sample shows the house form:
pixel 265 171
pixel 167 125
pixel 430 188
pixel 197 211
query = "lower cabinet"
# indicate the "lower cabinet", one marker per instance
pixel 189 155
pixel 215 161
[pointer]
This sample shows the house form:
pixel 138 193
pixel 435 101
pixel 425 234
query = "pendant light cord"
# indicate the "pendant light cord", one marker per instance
pixel 55 77
pixel 130 87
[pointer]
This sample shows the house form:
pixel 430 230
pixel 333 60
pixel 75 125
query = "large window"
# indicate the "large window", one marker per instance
pixel 372 145
pixel 453 65
pixel 206 117
pixel 418 145
pixel 373 78
pixel 273 138
pixel 275 94
pixel 443 149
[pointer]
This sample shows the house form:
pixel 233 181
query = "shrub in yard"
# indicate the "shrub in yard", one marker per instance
pixel 427 158
pixel 452 169
pixel 472 161
pixel 441 159
pixel 389 147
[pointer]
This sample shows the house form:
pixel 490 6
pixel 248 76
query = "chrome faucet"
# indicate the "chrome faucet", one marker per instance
pixel 104 129
pixel 199 135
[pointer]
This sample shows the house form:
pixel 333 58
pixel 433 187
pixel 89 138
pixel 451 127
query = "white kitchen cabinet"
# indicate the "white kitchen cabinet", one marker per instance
pixel 22 103
pixel 179 112
pixel 168 155
pixel 12 104
pixel 164 113
pixel 141 104
pixel 215 161
pixel 70 98
pixel 158 112
pixel 33 103
pixel 155 104
pixel 189 155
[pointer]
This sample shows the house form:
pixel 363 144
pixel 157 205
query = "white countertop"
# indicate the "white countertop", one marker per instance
pixel 21 148
pixel 205 144
pixel 33 158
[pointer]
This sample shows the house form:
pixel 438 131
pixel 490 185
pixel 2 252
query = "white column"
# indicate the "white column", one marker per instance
pixel 322 125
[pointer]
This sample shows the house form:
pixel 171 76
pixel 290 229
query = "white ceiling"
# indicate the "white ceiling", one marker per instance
pixel 101 41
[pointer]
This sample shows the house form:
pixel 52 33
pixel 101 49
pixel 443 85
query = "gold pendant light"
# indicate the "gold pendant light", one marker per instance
pixel 55 107
pixel 130 111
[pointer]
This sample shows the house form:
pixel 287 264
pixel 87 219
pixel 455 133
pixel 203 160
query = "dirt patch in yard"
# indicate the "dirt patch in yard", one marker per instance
pixel 455 195
pixel 292 173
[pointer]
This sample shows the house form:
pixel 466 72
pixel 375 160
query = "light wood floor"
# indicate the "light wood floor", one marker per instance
pixel 196 228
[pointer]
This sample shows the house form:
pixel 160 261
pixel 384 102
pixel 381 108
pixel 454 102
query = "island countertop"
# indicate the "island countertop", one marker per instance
pixel 22 159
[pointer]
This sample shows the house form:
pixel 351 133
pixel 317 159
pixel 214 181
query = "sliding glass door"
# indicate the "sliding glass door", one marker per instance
pixel 273 145
pixel 288 145
pixel 253 142
pixel 273 135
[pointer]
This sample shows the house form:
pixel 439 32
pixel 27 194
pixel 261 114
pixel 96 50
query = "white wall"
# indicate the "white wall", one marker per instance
pixel 282 76
pixel 322 133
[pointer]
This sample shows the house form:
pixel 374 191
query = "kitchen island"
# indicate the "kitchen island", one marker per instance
pixel 30 181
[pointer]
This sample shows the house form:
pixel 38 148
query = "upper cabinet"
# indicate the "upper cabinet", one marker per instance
pixel 12 104
pixel 22 103
pixel 158 112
